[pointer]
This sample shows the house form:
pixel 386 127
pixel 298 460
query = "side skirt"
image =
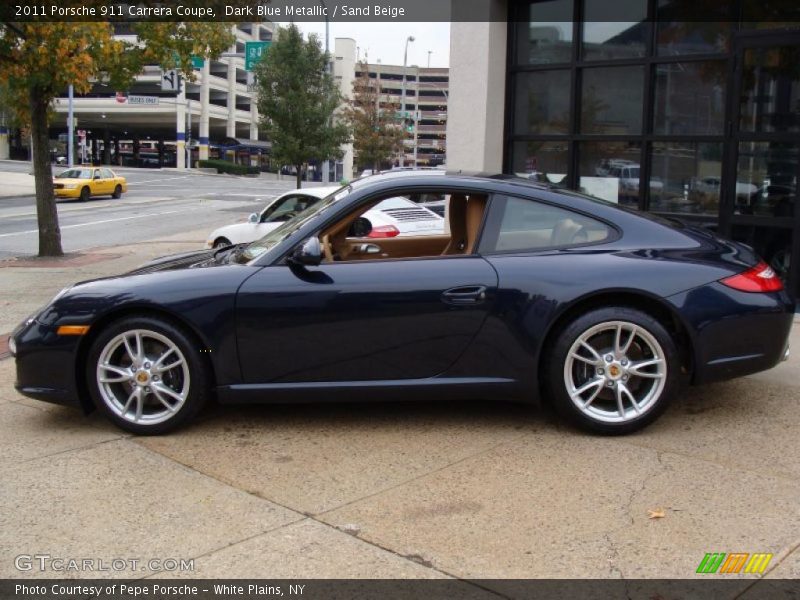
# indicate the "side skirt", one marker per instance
pixel 454 388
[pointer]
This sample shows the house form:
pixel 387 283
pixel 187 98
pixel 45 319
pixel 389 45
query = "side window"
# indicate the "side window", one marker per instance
pixel 107 174
pixel 526 225
pixel 97 174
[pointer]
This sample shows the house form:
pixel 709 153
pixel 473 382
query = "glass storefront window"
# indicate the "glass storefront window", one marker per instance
pixel 612 99
pixel 686 177
pixel 545 161
pixel 610 171
pixel 692 27
pixel 770 99
pixel 766 178
pixel 690 98
pixel 605 38
pixel 542 102
pixel 547 36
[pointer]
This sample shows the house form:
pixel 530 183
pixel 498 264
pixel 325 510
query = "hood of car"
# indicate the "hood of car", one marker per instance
pixel 184 260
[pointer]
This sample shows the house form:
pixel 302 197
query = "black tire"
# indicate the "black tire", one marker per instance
pixel 558 370
pixel 198 369
pixel 85 194
pixel 221 243
pixel 117 192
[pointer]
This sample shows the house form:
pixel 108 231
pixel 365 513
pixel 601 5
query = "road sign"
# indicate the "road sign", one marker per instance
pixel 197 62
pixel 170 82
pixel 253 52
pixel 143 99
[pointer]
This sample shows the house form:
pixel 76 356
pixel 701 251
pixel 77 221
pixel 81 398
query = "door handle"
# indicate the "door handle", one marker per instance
pixel 369 248
pixel 459 296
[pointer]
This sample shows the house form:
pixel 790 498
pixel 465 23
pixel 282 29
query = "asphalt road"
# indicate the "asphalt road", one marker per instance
pixel 158 203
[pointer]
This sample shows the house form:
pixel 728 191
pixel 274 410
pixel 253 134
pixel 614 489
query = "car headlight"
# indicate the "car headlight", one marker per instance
pixel 12 345
pixel 70 186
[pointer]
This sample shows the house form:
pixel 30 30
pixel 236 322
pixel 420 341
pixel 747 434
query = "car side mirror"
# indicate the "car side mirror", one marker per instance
pixel 253 218
pixel 361 227
pixel 307 254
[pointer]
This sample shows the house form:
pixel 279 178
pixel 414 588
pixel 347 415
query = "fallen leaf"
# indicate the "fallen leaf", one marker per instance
pixel 656 513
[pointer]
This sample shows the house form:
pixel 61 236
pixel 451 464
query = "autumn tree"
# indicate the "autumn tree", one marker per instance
pixel 377 131
pixel 297 99
pixel 39 60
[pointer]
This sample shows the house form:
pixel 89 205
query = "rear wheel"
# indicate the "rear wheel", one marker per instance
pixel 147 375
pixel 117 192
pixel 85 194
pixel 613 370
pixel 221 243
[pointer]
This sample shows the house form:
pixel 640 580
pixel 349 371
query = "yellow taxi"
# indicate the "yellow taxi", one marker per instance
pixel 85 182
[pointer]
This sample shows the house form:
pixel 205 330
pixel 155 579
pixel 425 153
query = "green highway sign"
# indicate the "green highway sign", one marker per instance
pixel 253 52
pixel 197 62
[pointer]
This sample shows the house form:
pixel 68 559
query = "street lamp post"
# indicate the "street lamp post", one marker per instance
pixel 70 127
pixel 326 164
pixel 403 97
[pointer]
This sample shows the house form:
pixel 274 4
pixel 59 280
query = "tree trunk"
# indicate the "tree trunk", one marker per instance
pixel 299 176
pixel 46 211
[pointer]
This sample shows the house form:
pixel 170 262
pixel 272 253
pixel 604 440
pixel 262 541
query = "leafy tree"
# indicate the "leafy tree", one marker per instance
pixel 377 131
pixel 39 60
pixel 297 99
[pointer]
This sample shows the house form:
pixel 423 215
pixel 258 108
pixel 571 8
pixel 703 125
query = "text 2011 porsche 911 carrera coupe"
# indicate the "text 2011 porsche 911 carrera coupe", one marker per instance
pixel 529 292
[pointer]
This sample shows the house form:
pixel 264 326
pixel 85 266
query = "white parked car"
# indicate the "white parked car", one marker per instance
pixel 281 209
pixel 390 218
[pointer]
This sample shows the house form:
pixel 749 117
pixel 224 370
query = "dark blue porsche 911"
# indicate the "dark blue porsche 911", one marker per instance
pixel 524 292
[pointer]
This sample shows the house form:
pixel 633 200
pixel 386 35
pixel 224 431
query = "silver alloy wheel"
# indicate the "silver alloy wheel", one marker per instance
pixel 615 372
pixel 143 377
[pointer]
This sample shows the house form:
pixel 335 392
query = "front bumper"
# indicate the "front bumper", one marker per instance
pixel 45 364
pixel 64 193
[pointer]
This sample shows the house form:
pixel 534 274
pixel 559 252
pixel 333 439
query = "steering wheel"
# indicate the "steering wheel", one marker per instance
pixel 327 248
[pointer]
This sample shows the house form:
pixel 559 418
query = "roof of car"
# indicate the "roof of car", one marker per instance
pixel 318 191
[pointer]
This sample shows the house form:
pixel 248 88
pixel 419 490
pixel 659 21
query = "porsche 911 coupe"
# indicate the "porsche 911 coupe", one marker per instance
pixel 529 292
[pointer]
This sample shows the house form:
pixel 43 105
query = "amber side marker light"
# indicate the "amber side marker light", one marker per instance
pixel 72 329
pixel 760 278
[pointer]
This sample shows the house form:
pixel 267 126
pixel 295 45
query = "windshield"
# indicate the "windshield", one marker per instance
pixel 75 174
pixel 267 242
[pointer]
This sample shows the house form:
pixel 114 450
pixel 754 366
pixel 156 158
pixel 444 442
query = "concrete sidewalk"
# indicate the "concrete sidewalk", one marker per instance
pixel 465 490
pixel 16 184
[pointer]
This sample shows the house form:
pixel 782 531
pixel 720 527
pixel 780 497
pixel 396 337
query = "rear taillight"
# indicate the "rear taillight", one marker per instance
pixel 760 278
pixel 384 231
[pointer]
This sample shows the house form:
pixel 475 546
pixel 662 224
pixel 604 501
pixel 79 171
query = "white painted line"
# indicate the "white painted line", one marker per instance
pixel 169 212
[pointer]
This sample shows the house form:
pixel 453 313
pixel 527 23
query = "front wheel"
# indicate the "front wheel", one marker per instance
pixel 85 194
pixel 147 375
pixel 221 243
pixel 117 192
pixel 613 370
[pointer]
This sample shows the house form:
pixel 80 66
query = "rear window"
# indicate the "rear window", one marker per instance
pixel 527 225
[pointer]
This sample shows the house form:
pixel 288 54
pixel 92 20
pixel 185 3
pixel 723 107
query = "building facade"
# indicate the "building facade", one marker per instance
pixel 696 117
pixel 427 91
pixel 213 116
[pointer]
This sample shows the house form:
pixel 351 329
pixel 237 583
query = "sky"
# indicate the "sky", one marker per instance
pixel 386 41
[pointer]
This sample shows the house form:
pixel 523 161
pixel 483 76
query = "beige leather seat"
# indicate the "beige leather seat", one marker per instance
pixel 457 218
pixel 476 206
pixel 567 232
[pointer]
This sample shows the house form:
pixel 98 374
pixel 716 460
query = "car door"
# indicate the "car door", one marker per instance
pixel 361 321
pixel 99 184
